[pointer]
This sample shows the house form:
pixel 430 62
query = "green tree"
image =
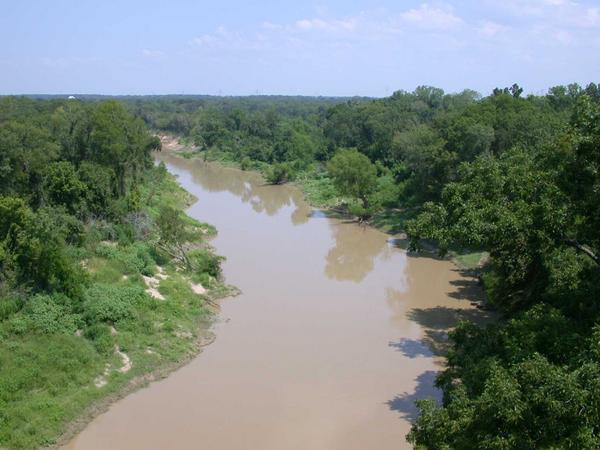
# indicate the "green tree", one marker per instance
pixel 174 233
pixel 532 379
pixel 354 175
pixel 62 186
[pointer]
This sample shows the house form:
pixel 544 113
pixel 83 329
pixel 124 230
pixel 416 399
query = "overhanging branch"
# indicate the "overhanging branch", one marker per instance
pixel 583 249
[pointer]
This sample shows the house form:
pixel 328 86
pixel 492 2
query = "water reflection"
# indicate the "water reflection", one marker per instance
pixel 301 215
pixel 248 186
pixel 353 255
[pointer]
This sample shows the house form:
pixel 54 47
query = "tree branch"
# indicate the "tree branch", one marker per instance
pixel 583 249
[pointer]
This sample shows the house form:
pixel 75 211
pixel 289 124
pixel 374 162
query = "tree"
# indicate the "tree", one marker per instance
pixel 424 154
pixel 174 233
pixel 25 152
pixel 62 186
pixel 353 174
pixel 278 173
pixel 531 380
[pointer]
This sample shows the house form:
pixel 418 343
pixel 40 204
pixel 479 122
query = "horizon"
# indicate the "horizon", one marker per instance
pixel 316 48
pixel 540 92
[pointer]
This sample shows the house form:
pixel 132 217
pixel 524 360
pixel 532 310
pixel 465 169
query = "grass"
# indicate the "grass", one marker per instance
pixel 319 190
pixel 393 221
pixel 49 380
pixel 469 260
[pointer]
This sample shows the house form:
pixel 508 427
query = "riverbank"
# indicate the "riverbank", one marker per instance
pixel 336 334
pixel 319 192
pixel 143 316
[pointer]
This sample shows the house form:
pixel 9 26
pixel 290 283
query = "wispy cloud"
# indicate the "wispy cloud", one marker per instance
pixel 339 32
pixel 153 54
pixel 432 18
pixel 490 29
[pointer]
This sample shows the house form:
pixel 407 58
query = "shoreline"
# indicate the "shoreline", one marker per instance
pixel 204 337
pixel 73 428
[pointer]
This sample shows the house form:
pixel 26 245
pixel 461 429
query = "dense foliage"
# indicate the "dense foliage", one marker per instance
pixel 84 217
pixel 516 176
pixel 532 381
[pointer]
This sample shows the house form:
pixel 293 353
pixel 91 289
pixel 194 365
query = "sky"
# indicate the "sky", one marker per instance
pixel 330 48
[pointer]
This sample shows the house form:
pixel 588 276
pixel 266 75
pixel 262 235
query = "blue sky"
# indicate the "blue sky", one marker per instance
pixel 236 47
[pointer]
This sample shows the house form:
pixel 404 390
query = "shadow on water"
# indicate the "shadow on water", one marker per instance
pixel 467 288
pixel 412 348
pixel 439 320
pixel 404 404
pixel 436 322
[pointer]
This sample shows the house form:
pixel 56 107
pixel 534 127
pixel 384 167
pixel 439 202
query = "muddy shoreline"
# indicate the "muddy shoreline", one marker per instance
pixel 205 338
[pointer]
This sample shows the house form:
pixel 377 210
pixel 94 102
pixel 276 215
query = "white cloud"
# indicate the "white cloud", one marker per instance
pixel 349 24
pixel 224 39
pixel 565 12
pixel 432 18
pixel 513 27
pixel 148 53
pixel 271 26
pixel 491 29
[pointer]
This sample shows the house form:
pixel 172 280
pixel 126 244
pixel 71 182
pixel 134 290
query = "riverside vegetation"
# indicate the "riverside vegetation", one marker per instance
pixel 515 176
pixel 104 282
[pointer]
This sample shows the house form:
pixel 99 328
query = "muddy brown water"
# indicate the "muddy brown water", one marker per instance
pixel 335 335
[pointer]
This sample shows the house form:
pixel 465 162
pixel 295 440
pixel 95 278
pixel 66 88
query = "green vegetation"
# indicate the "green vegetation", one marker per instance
pixel 506 179
pixel 355 176
pixel 531 381
pixel 97 263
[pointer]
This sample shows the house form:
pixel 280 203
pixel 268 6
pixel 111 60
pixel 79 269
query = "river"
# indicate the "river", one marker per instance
pixel 335 335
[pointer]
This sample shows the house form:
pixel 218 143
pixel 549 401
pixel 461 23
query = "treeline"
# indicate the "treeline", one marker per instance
pixel 84 217
pixel 516 176
pixel 418 138
pixel 62 164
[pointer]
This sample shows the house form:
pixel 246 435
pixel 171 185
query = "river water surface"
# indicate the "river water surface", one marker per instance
pixel 333 338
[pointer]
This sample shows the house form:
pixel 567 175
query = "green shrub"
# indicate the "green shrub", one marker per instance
pixel 135 258
pixel 279 173
pixel 204 261
pixel 9 306
pixel 144 260
pixel 101 337
pixel 51 314
pixel 106 251
pixel 245 163
pixel 18 325
pixel 108 303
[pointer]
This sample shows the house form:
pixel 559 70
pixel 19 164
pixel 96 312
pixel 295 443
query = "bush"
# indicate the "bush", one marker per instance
pixel 135 258
pixel 101 337
pixel 51 314
pixel 9 306
pixel 204 261
pixel 110 304
pixel 279 173
pixel 245 163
